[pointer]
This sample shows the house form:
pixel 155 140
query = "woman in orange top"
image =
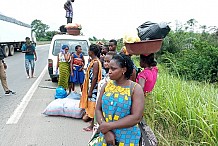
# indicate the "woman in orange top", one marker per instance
pixel 89 92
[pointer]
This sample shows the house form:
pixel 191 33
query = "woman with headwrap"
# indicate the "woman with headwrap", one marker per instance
pixel 64 67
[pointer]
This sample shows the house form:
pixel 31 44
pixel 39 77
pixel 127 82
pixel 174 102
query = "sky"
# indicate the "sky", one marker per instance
pixel 112 18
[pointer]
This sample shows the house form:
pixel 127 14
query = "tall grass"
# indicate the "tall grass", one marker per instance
pixel 185 113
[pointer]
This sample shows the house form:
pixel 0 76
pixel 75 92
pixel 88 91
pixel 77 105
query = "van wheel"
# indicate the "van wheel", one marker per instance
pixel 6 50
pixel 54 79
pixel 11 50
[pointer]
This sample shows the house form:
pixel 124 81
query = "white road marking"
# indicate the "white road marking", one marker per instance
pixel 14 118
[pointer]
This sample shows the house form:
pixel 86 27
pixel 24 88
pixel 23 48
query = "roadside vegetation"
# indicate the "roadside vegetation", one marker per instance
pixel 186 94
pixel 185 112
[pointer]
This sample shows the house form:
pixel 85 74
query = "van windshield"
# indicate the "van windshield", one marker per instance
pixel 72 44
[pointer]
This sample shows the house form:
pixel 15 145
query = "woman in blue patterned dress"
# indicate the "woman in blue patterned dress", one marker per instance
pixel 120 106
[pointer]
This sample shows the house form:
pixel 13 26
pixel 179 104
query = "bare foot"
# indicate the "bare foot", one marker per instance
pixel 89 128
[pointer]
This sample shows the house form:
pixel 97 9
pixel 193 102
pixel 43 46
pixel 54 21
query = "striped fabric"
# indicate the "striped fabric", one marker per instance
pixel 64 69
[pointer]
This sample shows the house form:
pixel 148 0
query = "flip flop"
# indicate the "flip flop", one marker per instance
pixel 87 129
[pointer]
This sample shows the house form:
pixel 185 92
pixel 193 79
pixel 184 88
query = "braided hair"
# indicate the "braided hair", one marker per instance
pixel 124 61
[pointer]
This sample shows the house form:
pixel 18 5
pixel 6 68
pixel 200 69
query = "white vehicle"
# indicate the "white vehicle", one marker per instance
pixel 64 39
pixel 13 34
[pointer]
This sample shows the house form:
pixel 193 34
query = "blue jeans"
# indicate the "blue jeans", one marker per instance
pixel 29 63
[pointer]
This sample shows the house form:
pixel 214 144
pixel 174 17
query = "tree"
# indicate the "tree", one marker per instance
pixel 50 34
pixel 39 28
pixel 192 22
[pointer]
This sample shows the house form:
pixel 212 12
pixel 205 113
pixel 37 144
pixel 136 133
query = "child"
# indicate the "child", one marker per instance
pixel 147 78
pixel 104 51
pixel 113 46
pixel 106 78
pixel 76 67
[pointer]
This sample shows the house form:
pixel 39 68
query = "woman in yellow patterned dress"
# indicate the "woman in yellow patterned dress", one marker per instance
pixel 120 106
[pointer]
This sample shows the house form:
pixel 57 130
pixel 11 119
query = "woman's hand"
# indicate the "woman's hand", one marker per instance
pixel 81 69
pixel 90 94
pixel 72 74
pixel 105 127
pixel 5 66
pixel 110 138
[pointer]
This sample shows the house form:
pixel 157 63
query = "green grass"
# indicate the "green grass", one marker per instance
pixel 185 113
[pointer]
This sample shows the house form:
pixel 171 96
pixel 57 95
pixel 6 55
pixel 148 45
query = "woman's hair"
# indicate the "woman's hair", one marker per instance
pixel 76 48
pixel 148 59
pixel 95 49
pixel 111 53
pixel 124 61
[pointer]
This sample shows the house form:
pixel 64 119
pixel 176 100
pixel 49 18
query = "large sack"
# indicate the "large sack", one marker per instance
pixel 55 108
pixel 64 107
pixel 150 31
pixel 74 95
pixel 71 108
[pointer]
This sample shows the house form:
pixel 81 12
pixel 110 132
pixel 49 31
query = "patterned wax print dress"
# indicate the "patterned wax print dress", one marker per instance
pixel 78 76
pixel 116 104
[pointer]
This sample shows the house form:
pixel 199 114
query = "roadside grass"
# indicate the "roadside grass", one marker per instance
pixel 184 113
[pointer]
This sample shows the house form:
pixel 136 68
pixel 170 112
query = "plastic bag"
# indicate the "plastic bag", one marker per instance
pixel 60 93
pixel 150 31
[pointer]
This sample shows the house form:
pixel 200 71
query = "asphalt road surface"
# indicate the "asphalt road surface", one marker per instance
pixel 21 120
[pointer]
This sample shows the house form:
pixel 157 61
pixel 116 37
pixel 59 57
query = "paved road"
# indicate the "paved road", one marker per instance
pixel 33 128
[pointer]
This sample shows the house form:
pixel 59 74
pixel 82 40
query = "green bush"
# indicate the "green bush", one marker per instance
pixel 199 63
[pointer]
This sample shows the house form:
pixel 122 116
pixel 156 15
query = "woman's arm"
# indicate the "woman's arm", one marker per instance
pixel 57 62
pixel 98 109
pixel 132 119
pixel 142 82
pixel 71 64
pixel 83 62
pixel 94 78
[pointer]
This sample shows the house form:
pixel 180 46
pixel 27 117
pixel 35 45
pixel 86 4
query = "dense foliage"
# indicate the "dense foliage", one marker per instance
pixel 41 31
pixel 190 55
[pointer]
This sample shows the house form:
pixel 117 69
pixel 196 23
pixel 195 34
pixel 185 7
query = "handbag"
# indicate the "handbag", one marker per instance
pixel 147 135
pixel 94 138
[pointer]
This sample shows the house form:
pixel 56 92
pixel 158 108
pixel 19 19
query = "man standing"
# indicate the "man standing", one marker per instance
pixel 3 67
pixel 69 10
pixel 30 52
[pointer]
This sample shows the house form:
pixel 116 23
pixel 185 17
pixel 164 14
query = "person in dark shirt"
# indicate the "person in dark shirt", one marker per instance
pixel 69 11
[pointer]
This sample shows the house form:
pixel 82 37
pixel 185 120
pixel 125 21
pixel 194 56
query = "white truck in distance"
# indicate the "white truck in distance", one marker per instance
pixel 13 34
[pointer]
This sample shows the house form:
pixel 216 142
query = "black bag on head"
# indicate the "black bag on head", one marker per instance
pixel 150 31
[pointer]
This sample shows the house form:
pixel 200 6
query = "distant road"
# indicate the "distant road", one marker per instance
pixel 33 128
